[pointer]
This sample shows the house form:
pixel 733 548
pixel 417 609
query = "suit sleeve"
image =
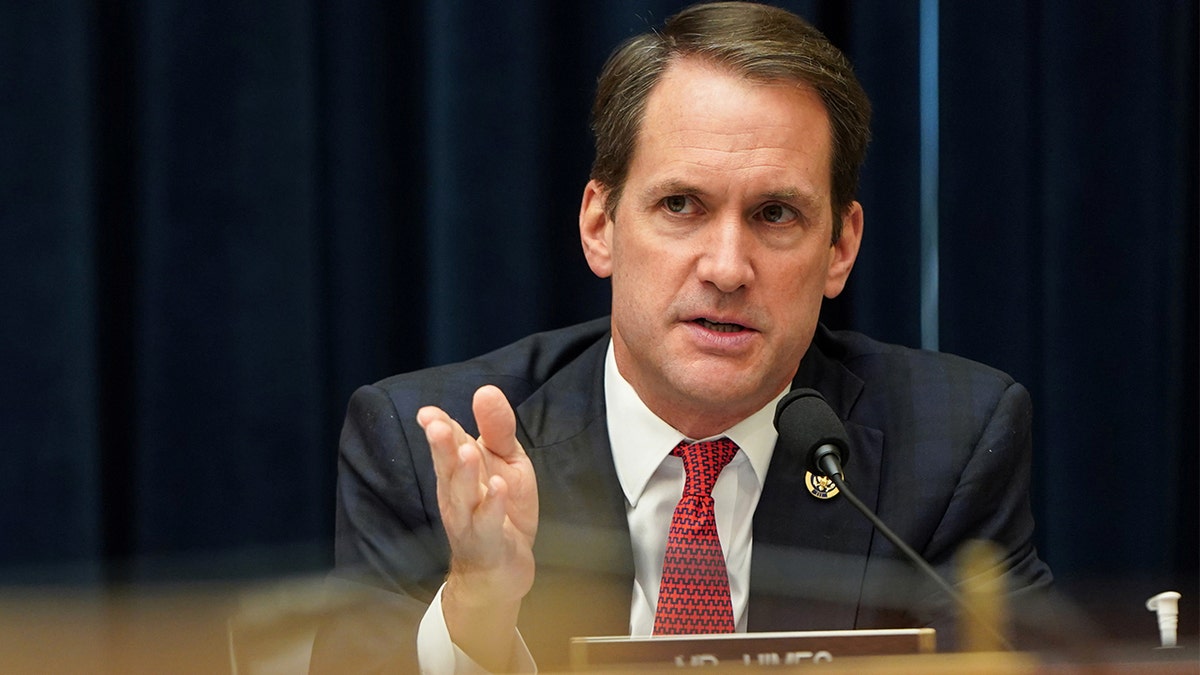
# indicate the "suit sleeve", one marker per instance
pixel 391 553
pixel 992 502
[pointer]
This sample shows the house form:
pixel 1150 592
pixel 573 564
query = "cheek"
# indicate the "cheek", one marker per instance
pixel 640 266
pixel 799 275
pixel 797 291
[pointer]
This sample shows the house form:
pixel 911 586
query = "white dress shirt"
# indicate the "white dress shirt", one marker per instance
pixel 652 481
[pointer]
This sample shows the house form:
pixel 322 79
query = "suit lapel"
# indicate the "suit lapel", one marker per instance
pixel 583 532
pixel 810 554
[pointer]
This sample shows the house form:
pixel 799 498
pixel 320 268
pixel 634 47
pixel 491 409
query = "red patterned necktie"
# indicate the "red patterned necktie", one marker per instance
pixel 694 594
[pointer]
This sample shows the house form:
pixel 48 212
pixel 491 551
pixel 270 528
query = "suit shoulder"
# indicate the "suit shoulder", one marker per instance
pixel 904 368
pixel 933 408
pixel 517 369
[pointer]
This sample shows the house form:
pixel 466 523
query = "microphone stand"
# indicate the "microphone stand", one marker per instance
pixel 829 464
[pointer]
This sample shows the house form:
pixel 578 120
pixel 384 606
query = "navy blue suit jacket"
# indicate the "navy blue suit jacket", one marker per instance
pixel 940 448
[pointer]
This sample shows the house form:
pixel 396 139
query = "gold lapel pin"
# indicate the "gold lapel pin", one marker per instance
pixel 821 487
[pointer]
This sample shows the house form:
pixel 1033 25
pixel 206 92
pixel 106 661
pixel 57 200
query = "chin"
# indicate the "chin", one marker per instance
pixel 718 389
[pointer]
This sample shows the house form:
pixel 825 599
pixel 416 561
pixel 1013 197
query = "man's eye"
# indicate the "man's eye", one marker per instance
pixel 778 213
pixel 676 203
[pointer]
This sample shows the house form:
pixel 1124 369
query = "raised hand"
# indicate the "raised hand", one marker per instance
pixel 487 494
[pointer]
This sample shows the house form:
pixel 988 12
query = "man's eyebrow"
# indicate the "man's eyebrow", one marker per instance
pixel 792 194
pixel 673 186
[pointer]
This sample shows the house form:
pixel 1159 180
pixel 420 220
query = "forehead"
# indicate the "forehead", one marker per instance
pixel 701 118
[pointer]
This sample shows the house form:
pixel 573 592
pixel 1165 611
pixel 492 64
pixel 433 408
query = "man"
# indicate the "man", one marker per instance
pixel 721 206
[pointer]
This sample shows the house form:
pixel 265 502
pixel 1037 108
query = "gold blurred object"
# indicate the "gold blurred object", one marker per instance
pixel 982 629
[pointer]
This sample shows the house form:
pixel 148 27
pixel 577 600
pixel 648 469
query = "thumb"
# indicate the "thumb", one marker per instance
pixel 497 422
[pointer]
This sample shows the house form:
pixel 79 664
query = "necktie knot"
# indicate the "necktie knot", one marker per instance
pixel 703 462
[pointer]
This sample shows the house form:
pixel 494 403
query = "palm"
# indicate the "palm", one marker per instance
pixel 487 494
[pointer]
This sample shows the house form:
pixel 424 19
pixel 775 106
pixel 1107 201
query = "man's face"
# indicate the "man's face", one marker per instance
pixel 719 250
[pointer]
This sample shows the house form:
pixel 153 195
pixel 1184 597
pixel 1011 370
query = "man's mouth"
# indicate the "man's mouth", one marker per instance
pixel 720 327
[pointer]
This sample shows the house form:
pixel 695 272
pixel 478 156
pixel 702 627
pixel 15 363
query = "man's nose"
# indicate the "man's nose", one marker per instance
pixel 725 261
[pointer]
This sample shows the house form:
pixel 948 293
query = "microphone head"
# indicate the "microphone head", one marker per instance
pixel 806 422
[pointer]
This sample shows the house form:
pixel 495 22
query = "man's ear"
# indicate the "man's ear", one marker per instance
pixel 845 251
pixel 595 230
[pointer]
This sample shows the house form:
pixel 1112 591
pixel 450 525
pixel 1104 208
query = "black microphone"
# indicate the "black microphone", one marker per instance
pixel 805 420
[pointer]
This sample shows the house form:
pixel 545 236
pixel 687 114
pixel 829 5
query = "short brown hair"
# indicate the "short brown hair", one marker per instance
pixel 763 43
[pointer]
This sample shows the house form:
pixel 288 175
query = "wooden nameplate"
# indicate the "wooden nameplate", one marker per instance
pixel 746 649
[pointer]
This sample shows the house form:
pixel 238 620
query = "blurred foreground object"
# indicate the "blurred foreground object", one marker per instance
pixel 1166 605
pixel 265 627
pixel 984 617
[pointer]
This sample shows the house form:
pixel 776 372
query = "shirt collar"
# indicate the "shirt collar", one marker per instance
pixel 641 440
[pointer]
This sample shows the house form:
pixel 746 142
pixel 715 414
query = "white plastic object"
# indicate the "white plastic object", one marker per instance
pixel 1166 604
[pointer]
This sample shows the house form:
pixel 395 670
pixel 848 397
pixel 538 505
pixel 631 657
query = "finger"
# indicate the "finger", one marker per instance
pixel 430 414
pixel 497 422
pixel 465 487
pixel 444 435
pixel 491 511
pixel 443 446
pixel 459 495
pixel 479 537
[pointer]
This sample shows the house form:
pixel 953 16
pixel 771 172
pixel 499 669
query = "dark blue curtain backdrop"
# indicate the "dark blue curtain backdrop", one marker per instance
pixel 219 218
